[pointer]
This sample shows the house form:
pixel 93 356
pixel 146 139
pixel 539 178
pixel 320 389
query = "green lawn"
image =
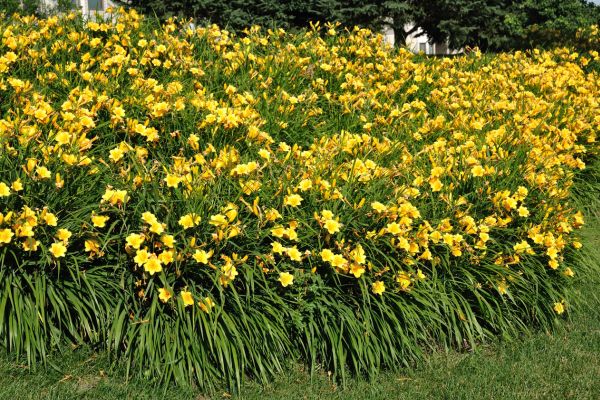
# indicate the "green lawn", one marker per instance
pixel 563 365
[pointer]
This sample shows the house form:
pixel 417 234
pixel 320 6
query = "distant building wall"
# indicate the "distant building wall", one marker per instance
pixel 418 42
pixel 86 6
pixel 388 34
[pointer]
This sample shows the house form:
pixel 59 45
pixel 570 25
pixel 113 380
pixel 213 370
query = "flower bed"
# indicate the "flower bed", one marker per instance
pixel 210 205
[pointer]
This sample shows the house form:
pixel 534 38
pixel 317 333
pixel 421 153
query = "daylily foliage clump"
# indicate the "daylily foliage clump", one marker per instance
pixel 212 205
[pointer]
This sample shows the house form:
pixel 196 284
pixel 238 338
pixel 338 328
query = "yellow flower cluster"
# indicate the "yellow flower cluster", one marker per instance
pixel 202 156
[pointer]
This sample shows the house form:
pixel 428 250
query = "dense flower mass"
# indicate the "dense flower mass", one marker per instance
pixel 196 161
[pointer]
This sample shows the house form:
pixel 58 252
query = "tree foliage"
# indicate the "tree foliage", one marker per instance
pixel 488 24
pixel 505 24
pixel 38 8
pixel 13 6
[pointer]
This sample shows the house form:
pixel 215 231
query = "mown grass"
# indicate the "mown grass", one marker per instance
pixel 564 364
